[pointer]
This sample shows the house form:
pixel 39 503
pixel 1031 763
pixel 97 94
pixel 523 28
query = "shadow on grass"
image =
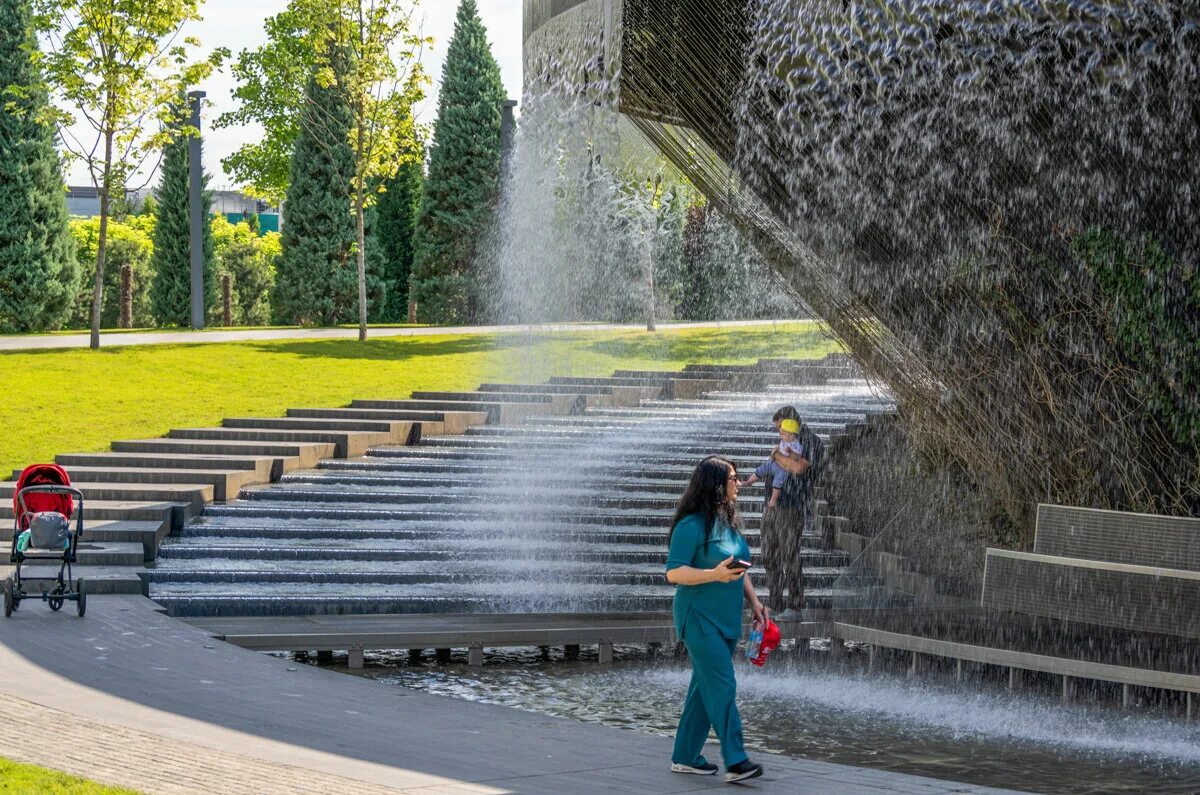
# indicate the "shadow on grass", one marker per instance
pixel 390 349
pixel 718 345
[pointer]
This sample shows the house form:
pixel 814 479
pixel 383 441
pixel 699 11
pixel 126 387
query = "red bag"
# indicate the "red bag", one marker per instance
pixel 771 636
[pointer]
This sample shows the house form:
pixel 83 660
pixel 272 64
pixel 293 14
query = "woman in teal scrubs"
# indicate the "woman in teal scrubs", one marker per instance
pixel 705 538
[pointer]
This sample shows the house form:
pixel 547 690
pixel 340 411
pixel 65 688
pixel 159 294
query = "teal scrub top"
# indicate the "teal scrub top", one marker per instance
pixel 715 606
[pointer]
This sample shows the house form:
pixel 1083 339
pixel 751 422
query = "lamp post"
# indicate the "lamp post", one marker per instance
pixel 196 205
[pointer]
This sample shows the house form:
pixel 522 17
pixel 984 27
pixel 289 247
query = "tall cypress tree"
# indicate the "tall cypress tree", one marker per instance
pixel 464 177
pixel 397 222
pixel 38 271
pixel 171 289
pixel 316 280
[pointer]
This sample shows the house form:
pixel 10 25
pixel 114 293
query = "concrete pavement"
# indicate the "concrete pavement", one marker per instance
pixel 117 338
pixel 131 697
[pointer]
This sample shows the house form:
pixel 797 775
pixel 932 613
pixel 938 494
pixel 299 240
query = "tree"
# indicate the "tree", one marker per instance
pixel 272 92
pixel 128 244
pixel 464 176
pixel 249 260
pixel 314 281
pixel 397 213
pixel 368 54
pixel 171 290
pixel 120 66
pixel 38 270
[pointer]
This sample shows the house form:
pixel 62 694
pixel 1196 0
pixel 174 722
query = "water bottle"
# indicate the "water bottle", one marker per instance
pixel 754 641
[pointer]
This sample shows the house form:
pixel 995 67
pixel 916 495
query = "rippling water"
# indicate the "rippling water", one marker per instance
pixel 981 735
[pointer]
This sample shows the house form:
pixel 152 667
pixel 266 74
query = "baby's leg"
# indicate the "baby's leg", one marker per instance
pixel 774 498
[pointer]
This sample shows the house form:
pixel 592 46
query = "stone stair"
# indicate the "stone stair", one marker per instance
pixel 552 511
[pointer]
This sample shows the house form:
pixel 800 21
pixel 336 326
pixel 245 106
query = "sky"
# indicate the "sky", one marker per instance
pixel 238 25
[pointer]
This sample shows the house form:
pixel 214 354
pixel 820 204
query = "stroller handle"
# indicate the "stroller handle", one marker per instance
pixel 48 489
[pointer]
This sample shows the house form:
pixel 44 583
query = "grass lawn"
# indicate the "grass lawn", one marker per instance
pixel 27 780
pixel 78 400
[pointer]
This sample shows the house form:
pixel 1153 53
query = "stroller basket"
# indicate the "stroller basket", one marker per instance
pixel 49 530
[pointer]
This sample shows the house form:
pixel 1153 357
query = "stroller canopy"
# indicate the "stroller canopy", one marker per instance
pixel 42 475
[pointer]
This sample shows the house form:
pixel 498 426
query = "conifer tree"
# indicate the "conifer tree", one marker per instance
pixel 316 281
pixel 38 271
pixel 464 177
pixel 397 223
pixel 171 290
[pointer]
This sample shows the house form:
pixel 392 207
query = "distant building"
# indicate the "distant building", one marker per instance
pixel 84 201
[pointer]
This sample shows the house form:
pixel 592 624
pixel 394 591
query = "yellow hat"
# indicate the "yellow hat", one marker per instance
pixel 791 426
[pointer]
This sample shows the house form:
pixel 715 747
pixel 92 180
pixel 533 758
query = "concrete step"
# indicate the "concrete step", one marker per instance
pixel 423 574
pixel 484 597
pixel 551 402
pixel 346 444
pixel 115 523
pixel 97 581
pixel 453 422
pixel 94 552
pixel 351 512
pixel 226 483
pixel 258 468
pixel 398 431
pixel 287 456
pixel 225 551
pixel 195 495
pixel 499 413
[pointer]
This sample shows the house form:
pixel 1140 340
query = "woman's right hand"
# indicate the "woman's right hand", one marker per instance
pixel 723 573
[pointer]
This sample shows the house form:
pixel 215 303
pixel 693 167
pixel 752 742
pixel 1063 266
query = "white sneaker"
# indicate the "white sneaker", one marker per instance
pixel 706 769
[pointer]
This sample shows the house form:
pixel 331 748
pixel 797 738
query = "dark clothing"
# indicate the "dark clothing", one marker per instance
pixel 784 526
pixel 781 558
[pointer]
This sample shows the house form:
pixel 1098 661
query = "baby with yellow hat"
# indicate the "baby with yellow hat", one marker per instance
pixel 789 445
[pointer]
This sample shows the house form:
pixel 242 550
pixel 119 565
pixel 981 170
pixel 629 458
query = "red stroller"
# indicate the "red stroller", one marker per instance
pixel 43 505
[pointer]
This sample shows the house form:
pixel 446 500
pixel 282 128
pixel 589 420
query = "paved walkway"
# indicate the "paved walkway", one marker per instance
pixel 110 339
pixel 129 696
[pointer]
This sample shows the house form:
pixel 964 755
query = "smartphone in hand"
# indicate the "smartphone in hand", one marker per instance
pixel 739 564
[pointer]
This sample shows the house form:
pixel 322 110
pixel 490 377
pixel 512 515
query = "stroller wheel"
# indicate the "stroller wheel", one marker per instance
pixel 55 599
pixel 9 603
pixel 81 602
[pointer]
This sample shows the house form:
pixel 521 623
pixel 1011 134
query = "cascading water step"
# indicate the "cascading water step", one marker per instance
pixel 554 512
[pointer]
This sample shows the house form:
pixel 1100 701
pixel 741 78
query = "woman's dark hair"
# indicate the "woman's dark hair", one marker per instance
pixel 707 493
pixel 786 413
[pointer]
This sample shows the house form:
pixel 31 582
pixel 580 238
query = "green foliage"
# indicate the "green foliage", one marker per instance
pixel 464 175
pixel 127 245
pixel 397 218
pixel 1153 302
pixel 271 92
pixel 669 283
pixel 38 271
pixel 724 277
pixel 249 259
pixel 367 53
pixel 122 66
pixel 171 292
pixel 316 279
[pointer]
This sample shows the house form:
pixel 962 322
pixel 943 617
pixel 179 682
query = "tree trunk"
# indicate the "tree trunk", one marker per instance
pixel 362 270
pixel 227 299
pixel 102 241
pixel 126 296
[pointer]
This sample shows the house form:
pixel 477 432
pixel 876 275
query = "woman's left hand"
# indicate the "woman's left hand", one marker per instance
pixel 759 611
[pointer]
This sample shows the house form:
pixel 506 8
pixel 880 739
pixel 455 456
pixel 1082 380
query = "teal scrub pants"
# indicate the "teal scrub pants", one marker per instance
pixel 711 699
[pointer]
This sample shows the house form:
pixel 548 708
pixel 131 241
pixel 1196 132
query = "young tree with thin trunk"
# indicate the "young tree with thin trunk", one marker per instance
pixel 380 80
pixel 119 66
